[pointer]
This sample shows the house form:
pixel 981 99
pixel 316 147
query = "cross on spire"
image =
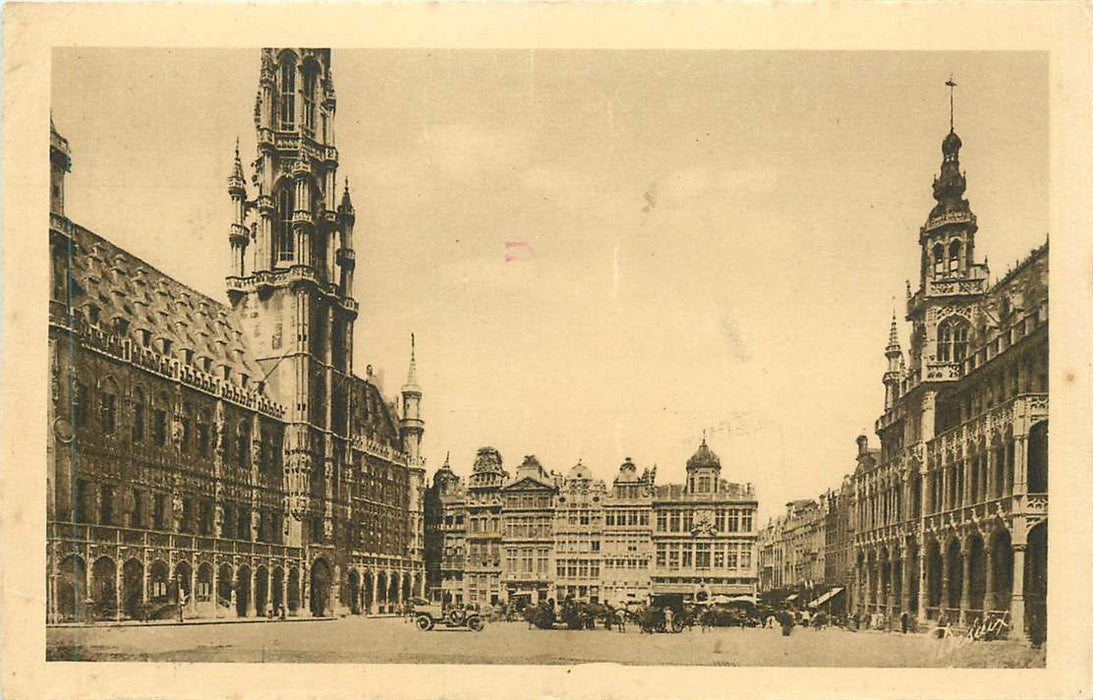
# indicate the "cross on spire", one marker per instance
pixel 952 86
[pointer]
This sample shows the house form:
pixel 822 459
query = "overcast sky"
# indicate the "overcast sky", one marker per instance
pixel 601 253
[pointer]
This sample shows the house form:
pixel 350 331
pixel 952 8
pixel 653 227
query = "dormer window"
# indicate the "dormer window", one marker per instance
pixel 145 338
pixel 188 356
pixel 121 325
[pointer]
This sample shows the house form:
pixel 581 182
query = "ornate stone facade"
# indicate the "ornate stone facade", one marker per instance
pixel 951 514
pixel 227 455
pixel 570 536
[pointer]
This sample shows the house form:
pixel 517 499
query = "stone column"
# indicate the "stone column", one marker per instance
pixel 372 604
pixel 143 586
pixel 1017 602
pixel 905 581
pixel 988 591
pixel 119 589
pixel 965 585
pixel 192 602
pixel 943 599
pixel 1020 464
pixel 216 590
pixel 923 581
pixel 269 588
pixel 253 585
pixel 284 591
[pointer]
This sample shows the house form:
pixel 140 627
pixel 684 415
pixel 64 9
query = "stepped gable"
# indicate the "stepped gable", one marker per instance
pixel 127 296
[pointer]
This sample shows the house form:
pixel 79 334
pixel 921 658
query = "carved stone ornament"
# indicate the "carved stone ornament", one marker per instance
pixel 62 430
pixel 703 522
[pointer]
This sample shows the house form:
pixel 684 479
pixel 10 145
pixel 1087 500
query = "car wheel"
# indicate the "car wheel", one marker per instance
pixel 476 624
pixel 424 623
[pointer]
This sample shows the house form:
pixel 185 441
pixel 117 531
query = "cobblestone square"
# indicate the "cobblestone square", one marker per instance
pixel 393 640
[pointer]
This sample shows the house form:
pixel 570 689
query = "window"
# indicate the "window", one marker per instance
pixel 138 416
pixel 242 451
pixel 673 556
pixel 687 556
pixel 80 410
pixel 954 256
pixel 688 521
pixel 731 560
pixel 662 555
pixel 734 520
pixel 106 505
pixel 188 520
pixel 745 521
pixel 203 439
pixel 205 524
pixel 159 426
pixel 595 545
pixel 610 518
pixel 288 96
pixel 184 425
pixel 719 521
pixel 107 412
pixel 662 521
pixel 675 521
pixel 702 555
pixel 939 259
pixel 136 515
pixel 745 557
pixel 703 484
pixel 309 100
pixel 159 512
pixel 286 204
pixel 952 341
pixel 719 556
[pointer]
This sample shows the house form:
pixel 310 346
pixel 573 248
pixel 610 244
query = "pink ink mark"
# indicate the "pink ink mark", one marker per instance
pixel 517 246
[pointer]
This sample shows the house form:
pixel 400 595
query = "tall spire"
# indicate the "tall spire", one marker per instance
pixel 951 85
pixel 411 376
pixel 893 333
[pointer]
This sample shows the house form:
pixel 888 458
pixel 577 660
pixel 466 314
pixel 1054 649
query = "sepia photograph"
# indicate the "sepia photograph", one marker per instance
pixel 546 350
pixel 548 357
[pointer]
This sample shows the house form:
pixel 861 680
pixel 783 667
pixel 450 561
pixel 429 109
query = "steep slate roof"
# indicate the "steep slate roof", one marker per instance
pixel 122 286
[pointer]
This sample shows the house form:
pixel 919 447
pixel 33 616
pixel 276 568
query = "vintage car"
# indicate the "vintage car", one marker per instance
pixel 429 615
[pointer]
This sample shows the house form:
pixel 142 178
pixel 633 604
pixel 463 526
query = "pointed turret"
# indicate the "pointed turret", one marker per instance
pixel 411 426
pixel 237 190
pixel 894 373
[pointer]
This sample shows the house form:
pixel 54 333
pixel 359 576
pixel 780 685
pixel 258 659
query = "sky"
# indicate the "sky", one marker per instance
pixel 602 254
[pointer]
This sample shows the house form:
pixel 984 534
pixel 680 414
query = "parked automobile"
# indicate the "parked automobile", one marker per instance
pixel 429 615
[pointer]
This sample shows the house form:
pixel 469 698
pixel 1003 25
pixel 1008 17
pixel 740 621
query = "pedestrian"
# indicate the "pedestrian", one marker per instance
pixel 904 621
pixel 181 603
pixel 668 615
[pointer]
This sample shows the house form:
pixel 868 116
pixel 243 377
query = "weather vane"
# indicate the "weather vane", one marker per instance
pixel 951 85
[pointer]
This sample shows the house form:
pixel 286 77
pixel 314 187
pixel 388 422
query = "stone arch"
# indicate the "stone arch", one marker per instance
pixel 366 592
pixel 977 570
pixel 204 590
pixel 277 591
pixel 132 574
pixel 351 594
pixel 183 577
pixel 242 590
pixel 392 594
pixel 1037 458
pixel 955 571
pixel 224 586
pixel 997 460
pixel 72 588
pixel 381 591
pixel 104 587
pixel 261 591
pixel 1001 568
pixel 1035 588
pixel 293 590
pixel 934 573
pixel 320 588
pixel 407 591
pixel 158 583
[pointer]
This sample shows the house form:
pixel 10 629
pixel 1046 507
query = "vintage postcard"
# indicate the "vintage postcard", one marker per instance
pixel 545 355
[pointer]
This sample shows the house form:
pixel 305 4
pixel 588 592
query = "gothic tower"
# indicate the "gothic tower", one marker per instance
pixel 950 282
pixel 293 292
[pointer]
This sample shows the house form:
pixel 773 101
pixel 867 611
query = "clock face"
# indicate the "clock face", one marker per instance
pixel 62 430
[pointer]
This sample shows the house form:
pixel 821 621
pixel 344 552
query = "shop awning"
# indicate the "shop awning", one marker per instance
pixel 825 597
pixel 791 598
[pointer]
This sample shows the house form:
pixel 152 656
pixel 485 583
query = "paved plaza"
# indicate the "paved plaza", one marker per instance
pixel 393 640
